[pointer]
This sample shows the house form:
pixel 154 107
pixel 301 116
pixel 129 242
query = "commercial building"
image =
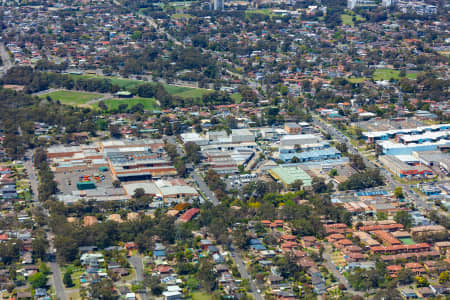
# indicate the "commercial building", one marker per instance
pixel 126 169
pixel 351 4
pixel 193 137
pixel 292 128
pixel 218 4
pixel 168 190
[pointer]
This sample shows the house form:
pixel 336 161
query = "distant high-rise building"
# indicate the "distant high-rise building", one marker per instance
pixel 388 3
pixel 351 4
pixel 218 4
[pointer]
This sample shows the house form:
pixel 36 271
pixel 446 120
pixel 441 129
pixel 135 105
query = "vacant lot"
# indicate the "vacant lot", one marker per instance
pixel 72 97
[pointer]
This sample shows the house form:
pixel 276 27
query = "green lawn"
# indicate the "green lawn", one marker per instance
pixel 200 296
pixel 407 241
pixel 127 84
pixel 72 97
pixel 76 274
pixel 237 98
pixel 265 11
pixel 190 93
pixel 181 16
pixel 123 83
pixel 348 19
pixel 388 74
pixel 149 103
pixel 356 79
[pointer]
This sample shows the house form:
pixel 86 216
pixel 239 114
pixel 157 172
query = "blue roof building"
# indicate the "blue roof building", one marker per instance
pixel 314 155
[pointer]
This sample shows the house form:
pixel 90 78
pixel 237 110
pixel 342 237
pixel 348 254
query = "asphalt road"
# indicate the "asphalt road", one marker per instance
pixel 136 262
pixel 57 281
pixel 244 273
pixel 6 59
pixel 54 266
pixel 32 176
pixel 339 276
pixel 204 188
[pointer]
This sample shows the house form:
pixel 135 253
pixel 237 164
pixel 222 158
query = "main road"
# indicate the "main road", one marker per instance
pixel 6 59
pixel 34 183
pixel 210 196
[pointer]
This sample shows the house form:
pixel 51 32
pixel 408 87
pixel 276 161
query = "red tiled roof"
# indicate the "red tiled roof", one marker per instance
pixel 189 214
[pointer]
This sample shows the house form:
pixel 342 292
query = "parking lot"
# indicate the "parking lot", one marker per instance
pixel 67 182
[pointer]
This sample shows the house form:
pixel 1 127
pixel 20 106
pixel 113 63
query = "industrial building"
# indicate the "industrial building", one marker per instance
pixel 227 161
pixel 433 158
pixel 300 139
pixel 391 148
pixel 237 136
pixel 424 137
pixel 288 175
pixel 373 136
pixel 314 155
pixel 401 169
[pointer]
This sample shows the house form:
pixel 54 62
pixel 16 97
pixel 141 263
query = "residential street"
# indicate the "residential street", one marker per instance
pixel 244 273
pixel 339 276
pixel 136 262
pixel 57 281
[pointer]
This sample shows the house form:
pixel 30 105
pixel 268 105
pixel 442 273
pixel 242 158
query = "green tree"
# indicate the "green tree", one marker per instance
pixel 67 279
pixel 240 236
pixel 154 284
pixel 398 192
pixel 40 246
pixel 44 269
pixel 381 215
pixel 297 185
pixel 421 281
pixel 207 276
pixel 38 280
pixel 404 218
pixel 333 173
pixel 444 277
pixel 405 276
pixel 103 290
pixel 295 160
